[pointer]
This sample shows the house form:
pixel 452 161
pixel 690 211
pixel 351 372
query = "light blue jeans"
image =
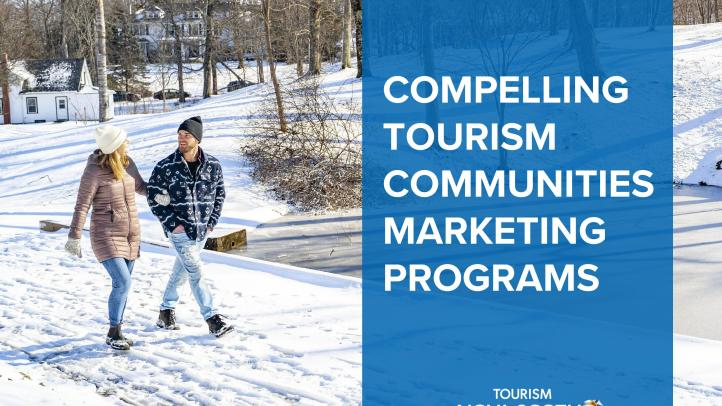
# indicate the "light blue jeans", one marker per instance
pixel 119 270
pixel 188 266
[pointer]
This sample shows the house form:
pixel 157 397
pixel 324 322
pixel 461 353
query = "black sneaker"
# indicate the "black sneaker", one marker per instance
pixel 217 326
pixel 166 320
pixel 115 341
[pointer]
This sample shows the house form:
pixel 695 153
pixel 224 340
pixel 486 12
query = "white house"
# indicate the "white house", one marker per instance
pixel 52 90
pixel 155 28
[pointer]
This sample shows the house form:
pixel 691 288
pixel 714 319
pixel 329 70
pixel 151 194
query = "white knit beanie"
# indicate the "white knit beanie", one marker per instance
pixel 109 138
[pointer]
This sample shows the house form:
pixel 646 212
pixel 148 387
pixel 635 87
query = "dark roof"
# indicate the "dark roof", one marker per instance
pixel 51 75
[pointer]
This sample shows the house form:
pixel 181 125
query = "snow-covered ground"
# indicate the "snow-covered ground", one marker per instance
pixel 697 103
pixel 697 148
pixel 299 331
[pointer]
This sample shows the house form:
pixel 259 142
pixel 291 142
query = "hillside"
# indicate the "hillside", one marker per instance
pixel 299 331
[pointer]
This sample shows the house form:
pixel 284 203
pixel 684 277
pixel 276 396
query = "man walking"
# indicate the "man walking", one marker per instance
pixel 194 182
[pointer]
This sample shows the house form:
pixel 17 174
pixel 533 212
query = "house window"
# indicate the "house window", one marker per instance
pixel 32 103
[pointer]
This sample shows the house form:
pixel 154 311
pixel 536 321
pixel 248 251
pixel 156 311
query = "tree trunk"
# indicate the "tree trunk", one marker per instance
pixel 100 52
pixel 314 29
pixel 346 57
pixel 584 40
pixel 266 4
pixel 259 66
pixel 299 60
pixel 225 65
pixel 208 54
pixel 63 40
pixel 653 11
pixel 359 48
pixel 179 63
pixel 214 73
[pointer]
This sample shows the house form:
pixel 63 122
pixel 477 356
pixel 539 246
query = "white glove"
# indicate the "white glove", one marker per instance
pixel 162 199
pixel 73 247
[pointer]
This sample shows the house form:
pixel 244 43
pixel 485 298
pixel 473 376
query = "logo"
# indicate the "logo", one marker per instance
pixel 593 403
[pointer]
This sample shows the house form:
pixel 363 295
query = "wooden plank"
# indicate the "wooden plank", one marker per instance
pixel 51 226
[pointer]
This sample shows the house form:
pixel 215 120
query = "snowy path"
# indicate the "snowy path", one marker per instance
pixel 297 341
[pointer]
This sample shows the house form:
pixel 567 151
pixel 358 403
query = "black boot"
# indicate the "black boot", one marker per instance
pixel 217 326
pixel 166 320
pixel 120 333
pixel 115 341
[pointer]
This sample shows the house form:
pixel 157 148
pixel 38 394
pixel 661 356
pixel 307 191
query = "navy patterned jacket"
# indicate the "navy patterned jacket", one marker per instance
pixel 196 205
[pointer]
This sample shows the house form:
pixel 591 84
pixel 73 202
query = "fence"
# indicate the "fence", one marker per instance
pixel 150 106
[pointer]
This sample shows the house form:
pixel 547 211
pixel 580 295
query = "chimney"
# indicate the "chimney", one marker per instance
pixel 4 77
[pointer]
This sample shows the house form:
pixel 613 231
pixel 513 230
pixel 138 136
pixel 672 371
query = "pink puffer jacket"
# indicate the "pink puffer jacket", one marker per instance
pixel 114 227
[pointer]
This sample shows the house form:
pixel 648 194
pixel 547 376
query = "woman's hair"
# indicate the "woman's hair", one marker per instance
pixel 115 162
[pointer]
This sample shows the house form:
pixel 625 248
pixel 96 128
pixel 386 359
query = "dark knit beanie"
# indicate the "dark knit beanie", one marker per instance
pixel 193 125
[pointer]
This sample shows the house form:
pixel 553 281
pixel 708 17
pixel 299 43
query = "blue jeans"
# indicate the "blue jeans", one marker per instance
pixel 188 266
pixel 119 270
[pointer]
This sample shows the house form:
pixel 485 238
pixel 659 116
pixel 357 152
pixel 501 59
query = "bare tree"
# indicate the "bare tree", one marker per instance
pixel 316 164
pixel 653 12
pixel 314 29
pixel 359 48
pixel 501 40
pixel 347 21
pixel 100 50
pixel 259 64
pixel 692 11
pixel 294 32
pixel 208 54
pixel 81 16
pixel 172 27
pixel 266 5
pixel 63 39
pixel 584 40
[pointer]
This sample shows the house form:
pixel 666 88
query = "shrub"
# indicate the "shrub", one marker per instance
pixel 316 164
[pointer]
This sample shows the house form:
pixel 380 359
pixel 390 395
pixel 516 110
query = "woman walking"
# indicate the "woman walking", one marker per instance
pixel 108 185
